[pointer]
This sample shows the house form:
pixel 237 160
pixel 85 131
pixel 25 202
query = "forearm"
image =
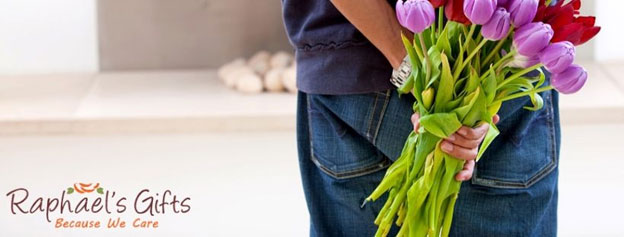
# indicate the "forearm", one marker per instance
pixel 377 21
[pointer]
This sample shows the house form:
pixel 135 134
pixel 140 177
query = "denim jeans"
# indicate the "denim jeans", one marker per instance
pixel 346 142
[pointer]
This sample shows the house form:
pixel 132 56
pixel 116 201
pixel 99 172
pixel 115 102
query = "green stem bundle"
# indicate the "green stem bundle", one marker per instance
pixel 421 186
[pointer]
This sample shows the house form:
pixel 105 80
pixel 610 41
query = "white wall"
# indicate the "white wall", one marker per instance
pixel 51 36
pixel 48 36
pixel 609 42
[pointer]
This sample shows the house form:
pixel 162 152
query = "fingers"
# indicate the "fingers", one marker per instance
pixel 495 119
pixel 416 121
pixel 466 173
pixel 473 133
pixel 464 142
pixel 458 151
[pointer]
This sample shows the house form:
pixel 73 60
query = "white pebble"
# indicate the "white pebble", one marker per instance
pixel 236 74
pixel 249 83
pixel 289 79
pixel 273 80
pixel 228 68
pixel 281 59
pixel 259 62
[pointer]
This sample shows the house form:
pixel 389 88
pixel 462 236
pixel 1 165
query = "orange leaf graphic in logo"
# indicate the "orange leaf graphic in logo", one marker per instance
pixel 83 188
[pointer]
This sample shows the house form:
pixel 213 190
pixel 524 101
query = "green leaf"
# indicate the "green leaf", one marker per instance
pixel 434 56
pixel 487 141
pixel 416 106
pixel 70 190
pixel 100 190
pixel 455 103
pixel 460 58
pixel 473 81
pixel 501 75
pixel 407 86
pixel 468 103
pixel 520 83
pixel 478 111
pixel 410 51
pixel 542 78
pixel 427 36
pixel 440 124
pixel 460 86
pixel 443 44
pixel 454 30
pixel 489 86
pixel 494 108
pixel 418 85
pixel 446 87
pixel 537 101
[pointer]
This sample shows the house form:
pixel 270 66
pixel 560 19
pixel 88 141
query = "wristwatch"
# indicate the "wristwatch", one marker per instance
pixel 400 75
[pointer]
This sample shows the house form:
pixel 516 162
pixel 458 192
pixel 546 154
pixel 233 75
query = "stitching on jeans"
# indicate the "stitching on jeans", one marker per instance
pixel 541 174
pixel 381 116
pixel 352 173
pixel 370 119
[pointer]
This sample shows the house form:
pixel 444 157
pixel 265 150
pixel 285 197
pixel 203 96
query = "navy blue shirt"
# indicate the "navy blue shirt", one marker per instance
pixel 332 56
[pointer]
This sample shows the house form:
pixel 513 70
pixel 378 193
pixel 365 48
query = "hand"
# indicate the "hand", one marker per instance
pixel 463 144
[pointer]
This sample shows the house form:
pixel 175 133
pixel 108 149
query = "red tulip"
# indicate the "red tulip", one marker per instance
pixel 437 3
pixel 567 23
pixel 454 11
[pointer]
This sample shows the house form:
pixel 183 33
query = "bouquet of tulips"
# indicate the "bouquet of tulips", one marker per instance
pixel 466 61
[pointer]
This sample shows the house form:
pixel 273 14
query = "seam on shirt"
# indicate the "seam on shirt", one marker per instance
pixel 331 45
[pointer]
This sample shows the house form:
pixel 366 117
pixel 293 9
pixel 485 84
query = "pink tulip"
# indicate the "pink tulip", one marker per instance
pixel 415 15
pixel 498 26
pixel 532 38
pixel 479 11
pixel 570 80
pixel 558 57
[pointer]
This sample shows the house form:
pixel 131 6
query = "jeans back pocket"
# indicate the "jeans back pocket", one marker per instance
pixel 526 150
pixel 343 130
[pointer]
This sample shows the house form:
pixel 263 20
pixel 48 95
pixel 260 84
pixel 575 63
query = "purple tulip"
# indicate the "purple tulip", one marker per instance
pixel 558 57
pixel 570 80
pixel 532 38
pixel 415 15
pixel 479 11
pixel 498 26
pixel 522 11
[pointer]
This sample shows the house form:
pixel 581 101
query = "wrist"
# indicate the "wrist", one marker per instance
pixel 396 61
pixel 397 56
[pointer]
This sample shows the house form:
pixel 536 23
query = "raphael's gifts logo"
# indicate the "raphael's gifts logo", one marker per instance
pixel 63 211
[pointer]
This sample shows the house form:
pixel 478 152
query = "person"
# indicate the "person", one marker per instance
pixel 352 124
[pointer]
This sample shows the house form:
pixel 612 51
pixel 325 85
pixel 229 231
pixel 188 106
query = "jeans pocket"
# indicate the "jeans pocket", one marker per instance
pixel 524 154
pixel 338 148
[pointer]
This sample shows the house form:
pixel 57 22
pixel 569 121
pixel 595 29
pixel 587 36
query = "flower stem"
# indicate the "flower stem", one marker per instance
pixel 426 53
pixel 519 74
pixel 469 35
pixel 418 51
pixel 497 48
pixel 521 94
pixel 440 19
pixel 467 61
pixel 505 58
